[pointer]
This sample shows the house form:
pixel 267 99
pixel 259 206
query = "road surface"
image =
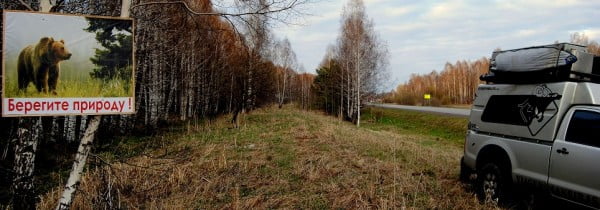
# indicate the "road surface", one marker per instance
pixel 437 110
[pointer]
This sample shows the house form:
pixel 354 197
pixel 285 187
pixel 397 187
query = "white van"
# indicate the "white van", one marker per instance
pixel 542 135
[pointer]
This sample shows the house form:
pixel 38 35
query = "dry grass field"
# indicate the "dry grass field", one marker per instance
pixel 279 158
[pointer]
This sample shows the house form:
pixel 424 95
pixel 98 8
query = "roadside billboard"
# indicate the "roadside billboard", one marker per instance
pixel 67 65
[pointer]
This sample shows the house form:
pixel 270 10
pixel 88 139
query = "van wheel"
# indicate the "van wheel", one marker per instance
pixel 492 184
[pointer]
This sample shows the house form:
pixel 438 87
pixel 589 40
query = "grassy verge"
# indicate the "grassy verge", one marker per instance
pixel 444 128
pixel 279 158
pixel 459 106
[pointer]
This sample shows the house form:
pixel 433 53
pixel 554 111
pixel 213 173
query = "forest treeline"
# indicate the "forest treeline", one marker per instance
pixel 193 61
pixel 456 83
pixel 353 68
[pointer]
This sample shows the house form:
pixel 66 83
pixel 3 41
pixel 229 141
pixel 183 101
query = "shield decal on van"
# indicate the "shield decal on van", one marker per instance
pixel 534 111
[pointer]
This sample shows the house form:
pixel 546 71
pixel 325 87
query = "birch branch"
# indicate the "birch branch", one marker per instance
pixel 260 11
pixel 26 5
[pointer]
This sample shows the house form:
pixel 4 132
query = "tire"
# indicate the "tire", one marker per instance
pixel 465 172
pixel 493 183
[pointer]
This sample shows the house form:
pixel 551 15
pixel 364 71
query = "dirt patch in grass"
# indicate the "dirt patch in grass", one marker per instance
pixel 279 158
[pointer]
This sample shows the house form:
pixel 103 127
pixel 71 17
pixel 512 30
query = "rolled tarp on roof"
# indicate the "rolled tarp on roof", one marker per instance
pixel 531 59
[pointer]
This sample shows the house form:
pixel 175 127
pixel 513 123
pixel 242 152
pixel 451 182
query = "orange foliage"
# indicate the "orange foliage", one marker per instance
pixel 456 84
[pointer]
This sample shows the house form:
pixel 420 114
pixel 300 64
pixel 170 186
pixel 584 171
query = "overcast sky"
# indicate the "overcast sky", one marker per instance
pixel 422 35
pixel 23 29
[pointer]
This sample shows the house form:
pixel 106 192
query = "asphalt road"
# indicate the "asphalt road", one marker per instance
pixel 437 110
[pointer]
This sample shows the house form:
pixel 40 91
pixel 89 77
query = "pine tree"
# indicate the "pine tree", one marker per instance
pixel 115 59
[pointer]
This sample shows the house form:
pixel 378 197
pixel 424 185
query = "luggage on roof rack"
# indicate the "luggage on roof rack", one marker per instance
pixel 541 64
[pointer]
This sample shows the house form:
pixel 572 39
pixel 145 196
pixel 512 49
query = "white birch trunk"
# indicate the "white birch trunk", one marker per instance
pixel 183 100
pixel 250 104
pixel 45 5
pixel 282 93
pixel 69 131
pixel 82 126
pixel 25 150
pixel 230 95
pixel 348 95
pixel 301 93
pixel 80 158
pixel 358 86
pixel 125 6
pixel 341 106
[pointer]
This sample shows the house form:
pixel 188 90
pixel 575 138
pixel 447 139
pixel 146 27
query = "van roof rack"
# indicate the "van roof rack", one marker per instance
pixel 542 64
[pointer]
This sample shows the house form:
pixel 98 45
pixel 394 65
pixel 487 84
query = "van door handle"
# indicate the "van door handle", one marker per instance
pixel 563 151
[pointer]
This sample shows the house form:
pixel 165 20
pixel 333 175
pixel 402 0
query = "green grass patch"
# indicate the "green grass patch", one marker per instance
pixel 72 83
pixel 74 89
pixel 450 128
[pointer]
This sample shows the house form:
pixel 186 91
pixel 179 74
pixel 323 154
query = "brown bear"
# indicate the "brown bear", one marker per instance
pixel 40 64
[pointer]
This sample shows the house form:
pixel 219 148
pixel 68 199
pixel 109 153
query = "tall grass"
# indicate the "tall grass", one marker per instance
pixel 278 158
pixel 74 88
pixel 71 85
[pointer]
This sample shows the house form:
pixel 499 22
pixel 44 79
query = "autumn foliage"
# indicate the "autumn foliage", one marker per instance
pixel 455 84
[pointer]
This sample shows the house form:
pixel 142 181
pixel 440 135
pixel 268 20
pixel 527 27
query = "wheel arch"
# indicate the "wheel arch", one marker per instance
pixel 496 154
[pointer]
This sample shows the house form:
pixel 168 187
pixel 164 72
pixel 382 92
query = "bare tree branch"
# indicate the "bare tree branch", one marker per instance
pixel 26 5
pixel 57 5
pixel 260 11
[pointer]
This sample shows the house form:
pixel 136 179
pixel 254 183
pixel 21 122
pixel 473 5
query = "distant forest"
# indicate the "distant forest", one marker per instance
pixel 456 83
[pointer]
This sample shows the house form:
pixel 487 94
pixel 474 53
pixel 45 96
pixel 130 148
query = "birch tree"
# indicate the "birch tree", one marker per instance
pixel 364 57
pixel 78 164
pixel 84 147
pixel 286 59
pixel 360 60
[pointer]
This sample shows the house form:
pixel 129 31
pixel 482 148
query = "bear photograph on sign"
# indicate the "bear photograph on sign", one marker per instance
pixel 66 65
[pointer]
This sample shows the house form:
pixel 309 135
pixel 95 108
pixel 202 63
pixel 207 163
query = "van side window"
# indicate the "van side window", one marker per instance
pixel 584 128
pixel 505 109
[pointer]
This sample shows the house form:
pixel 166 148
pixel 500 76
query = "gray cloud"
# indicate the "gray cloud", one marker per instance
pixel 424 35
